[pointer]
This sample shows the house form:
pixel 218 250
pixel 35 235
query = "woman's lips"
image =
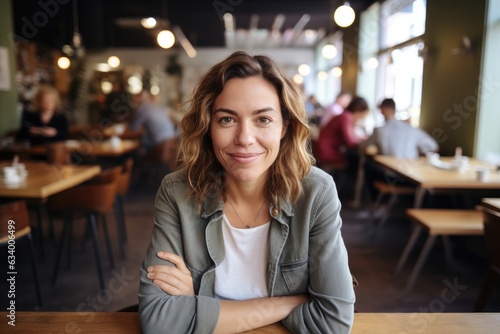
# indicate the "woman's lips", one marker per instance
pixel 245 158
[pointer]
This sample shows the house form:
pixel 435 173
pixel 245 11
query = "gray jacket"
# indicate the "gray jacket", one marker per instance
pixel 306 255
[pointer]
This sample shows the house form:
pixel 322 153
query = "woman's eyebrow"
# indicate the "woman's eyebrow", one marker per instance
pixel 232 112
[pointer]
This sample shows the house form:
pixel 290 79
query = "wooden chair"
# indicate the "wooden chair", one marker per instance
pixel 492 239
pixel 58 153
pixel 162 157
pixel 437 222
pixel 121 191
pixel 91 200
pixel 17 212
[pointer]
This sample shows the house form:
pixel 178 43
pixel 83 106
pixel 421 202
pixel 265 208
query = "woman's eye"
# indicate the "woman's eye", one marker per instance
pixel 225 120
pixel 264 120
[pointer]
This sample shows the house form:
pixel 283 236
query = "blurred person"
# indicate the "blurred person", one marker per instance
pixel 336 108
pixel 395 138
pixel 241 226
pixel 398 138
pixel 338 139
pixel 44 122
pixel 155 120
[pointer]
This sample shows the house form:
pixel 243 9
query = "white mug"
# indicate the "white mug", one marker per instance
pixel 10 173
pixel 482 174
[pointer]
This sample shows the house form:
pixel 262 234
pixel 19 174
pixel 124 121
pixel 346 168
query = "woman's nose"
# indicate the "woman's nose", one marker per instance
pixel 245 134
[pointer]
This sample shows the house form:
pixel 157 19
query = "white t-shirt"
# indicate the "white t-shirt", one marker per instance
pixel 242 273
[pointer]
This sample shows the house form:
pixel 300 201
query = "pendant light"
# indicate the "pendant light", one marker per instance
pixel 344 15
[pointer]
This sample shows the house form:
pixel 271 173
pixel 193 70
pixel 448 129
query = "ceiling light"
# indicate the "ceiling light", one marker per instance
pixel 148 23
pixel 113 61
pixel 304 69
pixel 329 51
pixel 166 39
pixel 337 72
pixel 344 15
pixel 63 62
pixel 371 63
pixel 322 75
pixel 298 79
pixel 102 67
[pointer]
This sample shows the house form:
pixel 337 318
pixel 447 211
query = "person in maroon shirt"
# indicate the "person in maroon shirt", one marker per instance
pixel 44 123
pixel 339 135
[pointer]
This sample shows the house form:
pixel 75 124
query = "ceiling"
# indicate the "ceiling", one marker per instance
pixel 115 23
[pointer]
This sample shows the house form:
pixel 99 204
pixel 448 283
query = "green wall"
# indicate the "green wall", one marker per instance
pixel 8 99
pixel 350 54
pixel 451 82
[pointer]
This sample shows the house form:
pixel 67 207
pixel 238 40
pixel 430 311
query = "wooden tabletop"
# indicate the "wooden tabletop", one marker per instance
pixel 491 203
pixel 128 323
pixel 46 179
pixel 422 173
pixel 96 148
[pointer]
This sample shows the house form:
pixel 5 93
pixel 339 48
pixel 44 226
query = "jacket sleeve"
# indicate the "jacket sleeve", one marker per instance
pixel 331 308
pixel 160 312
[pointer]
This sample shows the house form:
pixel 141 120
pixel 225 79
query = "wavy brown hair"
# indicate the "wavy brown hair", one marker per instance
pixel 204 172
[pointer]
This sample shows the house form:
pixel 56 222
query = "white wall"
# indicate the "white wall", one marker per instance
pixel 487 134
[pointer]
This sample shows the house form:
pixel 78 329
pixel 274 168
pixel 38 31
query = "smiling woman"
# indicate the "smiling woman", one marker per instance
pixel 247 232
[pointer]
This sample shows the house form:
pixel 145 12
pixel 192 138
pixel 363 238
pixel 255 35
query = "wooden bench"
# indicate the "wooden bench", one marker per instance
pixel 437 222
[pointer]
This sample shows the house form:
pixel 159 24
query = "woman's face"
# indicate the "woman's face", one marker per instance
pixel 47 103
pixel 246 128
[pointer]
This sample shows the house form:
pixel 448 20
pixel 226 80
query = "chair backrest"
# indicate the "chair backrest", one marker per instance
pixel 165 152
pixel 125 177
pixel 58 153
pixel 14 217
pixel 97 195
pixel 492 234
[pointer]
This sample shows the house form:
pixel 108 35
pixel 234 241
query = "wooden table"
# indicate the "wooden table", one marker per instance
pixel 44 180
pixel 101 148
pixel 491 203
pixel 128 323
pixel 428 177
pixel 95 149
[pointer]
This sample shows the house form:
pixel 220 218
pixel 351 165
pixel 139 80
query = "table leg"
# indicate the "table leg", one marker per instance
pixel 420 262
pixel 39 221
pixel 419 197
pixel 447 253
pixel 417 229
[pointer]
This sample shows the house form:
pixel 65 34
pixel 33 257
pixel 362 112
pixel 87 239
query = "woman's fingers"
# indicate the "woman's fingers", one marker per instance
pixel 175 259
pixel 175 280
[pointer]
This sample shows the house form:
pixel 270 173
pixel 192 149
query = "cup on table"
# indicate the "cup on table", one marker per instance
pixel 461 163
pixel 10 173
pixel 21 169
pixel 432 156
pixel 115 141
pixel 482 174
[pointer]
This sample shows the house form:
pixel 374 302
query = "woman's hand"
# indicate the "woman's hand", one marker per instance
pixel 44 131
pixel 175 280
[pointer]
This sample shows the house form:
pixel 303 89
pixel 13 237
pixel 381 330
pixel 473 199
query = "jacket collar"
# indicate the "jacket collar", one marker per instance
pixel 213 204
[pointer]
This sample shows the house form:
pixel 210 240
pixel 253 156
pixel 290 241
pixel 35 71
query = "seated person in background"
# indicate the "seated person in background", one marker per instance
pixel 337 108
pixel 339 135
pixel 244 235
pixel 395 138
pixel 44 123
pixel 398 138
pixel 154 119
